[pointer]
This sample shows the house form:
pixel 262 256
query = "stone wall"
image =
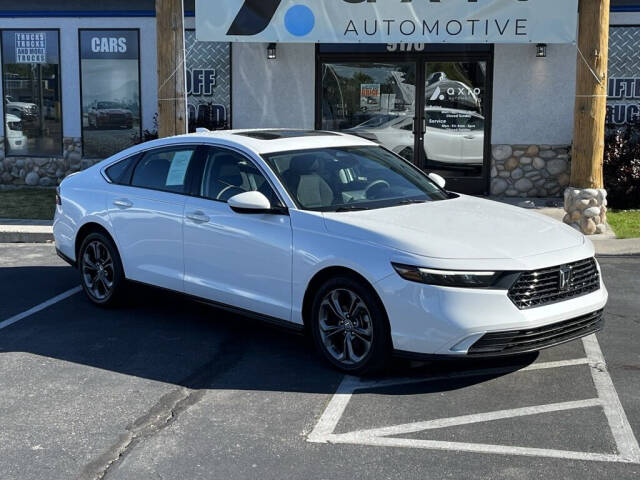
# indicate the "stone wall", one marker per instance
pixel 530 170
pixel 43 171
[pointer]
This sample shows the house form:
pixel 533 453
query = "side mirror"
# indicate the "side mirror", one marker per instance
pixel 250 202
pixel 437 179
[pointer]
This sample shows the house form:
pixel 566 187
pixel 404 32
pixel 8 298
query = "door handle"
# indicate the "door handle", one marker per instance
pixel 198 217
pixel 123 203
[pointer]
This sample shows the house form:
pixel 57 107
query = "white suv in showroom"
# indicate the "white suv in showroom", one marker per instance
pixel 330 234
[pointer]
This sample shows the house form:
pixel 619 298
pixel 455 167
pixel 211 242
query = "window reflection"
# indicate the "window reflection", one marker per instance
pixel 31 81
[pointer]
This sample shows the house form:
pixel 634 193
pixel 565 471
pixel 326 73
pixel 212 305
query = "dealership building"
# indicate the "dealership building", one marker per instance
pixel 486 101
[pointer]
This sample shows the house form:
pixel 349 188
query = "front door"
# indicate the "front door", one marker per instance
pixel 430 111
pixel 237 259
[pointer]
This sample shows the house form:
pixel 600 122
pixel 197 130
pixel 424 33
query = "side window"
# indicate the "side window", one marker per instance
pixel 120 173
pixel 228 173
pixel 164 169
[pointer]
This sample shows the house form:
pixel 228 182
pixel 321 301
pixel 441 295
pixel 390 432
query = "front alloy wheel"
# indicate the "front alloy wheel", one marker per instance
pixel 345 326
pixel 350 326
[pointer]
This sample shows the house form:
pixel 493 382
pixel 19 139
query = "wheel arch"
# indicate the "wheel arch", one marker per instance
pixel 87 229
pixel 322 276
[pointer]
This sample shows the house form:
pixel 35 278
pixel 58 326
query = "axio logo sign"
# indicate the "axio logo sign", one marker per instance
pixel 256 15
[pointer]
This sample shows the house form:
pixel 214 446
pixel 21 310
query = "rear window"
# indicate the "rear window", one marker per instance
pixel 120 172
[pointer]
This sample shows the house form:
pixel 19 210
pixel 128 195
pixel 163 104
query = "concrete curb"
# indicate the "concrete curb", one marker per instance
pixel 26 234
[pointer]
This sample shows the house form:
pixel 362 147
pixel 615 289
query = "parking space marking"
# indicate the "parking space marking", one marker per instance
pixel 38 308
pixel 626 443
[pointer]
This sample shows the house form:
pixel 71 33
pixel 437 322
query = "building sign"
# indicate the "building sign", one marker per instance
pixel 110 83
pixel 208 83
pixel 623 92
pixel 370 96
pixel 31 47
pixel 387 21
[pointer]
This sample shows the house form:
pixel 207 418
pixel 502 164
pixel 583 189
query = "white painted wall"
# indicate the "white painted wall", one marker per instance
pixel 273 93
pixel 69 63
pixel 533 98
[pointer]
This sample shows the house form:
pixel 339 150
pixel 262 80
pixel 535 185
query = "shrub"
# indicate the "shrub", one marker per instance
pixel 622 166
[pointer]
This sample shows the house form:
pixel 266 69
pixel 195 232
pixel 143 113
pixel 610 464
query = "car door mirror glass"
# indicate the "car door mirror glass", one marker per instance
pixel 250 202
pixel 438 180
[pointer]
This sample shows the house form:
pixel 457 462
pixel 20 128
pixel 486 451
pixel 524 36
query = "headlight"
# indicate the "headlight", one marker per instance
pixel 449 278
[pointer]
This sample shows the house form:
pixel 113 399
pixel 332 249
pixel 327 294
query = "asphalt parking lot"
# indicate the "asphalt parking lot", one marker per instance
pixel 167 388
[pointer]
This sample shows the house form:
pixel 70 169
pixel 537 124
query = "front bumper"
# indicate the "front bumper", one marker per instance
pixel 431 320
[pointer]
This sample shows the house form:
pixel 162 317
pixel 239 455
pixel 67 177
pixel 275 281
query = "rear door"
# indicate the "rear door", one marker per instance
pixel 147 216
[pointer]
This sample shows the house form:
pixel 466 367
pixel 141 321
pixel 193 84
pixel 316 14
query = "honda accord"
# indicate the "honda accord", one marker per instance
pixel 333 235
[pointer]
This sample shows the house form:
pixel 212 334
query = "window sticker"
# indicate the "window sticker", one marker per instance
pixel 178 169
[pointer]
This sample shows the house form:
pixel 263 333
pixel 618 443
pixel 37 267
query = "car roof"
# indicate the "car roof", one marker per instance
pixel 283 139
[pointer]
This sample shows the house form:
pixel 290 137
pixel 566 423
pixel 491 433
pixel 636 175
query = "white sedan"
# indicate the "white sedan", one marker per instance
pixel 333 235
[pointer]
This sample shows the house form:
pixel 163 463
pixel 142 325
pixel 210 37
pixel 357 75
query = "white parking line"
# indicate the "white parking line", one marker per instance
pixel 626 443
pixel 37 308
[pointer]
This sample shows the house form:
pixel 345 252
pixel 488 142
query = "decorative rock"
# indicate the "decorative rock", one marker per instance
pixel 525 160
pixel 511 163
pixel 575 216
pixel 504 174
pixel 502 152
pixel 602 228
pixel 498 186
pixel 588 226
pixel 32 178
pixel 533 150
pixel 538 163
pixel 494 172
pixel 511 193
pixel 517 174
pixel 563 179
pixel 523 185
pixel 557 166
pixel 518 153
pixel 591 212
pixel 46 181
pixel 567 219
pixel 41 161
pixel 547 154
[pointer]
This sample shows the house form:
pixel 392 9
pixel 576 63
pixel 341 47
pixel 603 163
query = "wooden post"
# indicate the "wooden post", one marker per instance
pixel 591 99
pixel 172 103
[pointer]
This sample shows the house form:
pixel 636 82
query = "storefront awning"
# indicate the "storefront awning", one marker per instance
pixel 387 21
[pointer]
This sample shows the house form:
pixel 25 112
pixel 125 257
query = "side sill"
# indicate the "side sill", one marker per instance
pixel 273 321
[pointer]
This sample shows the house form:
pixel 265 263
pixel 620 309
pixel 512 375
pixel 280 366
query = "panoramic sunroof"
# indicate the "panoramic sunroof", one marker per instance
pixel 278 134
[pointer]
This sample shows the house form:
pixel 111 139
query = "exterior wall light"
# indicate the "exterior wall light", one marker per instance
pixel 271 51
pixel 541 50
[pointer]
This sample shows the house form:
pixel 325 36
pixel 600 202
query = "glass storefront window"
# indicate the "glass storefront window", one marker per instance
pixel 110 76
pixel 454 124
pixel 373 100
pixel 31 86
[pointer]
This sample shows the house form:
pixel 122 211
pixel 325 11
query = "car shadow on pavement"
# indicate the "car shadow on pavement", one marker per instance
pixel 162 336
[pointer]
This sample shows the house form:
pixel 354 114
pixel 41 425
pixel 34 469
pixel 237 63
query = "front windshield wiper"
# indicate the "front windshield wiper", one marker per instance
pixel 409 201
pixel 350 208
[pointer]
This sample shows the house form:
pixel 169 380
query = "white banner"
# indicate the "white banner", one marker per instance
pixel 387 21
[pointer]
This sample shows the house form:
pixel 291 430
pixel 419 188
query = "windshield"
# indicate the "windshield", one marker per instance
pixel 351 178
pixel 105 105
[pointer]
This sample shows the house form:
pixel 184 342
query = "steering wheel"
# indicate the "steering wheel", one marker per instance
pixel 375 188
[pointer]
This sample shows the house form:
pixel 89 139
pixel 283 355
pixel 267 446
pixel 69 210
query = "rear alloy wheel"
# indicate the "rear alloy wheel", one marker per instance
pixel 350 326
pixel 101 270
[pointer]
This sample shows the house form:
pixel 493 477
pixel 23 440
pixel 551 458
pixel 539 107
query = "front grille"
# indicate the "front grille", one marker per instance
pixel 541 287
pixel 520 341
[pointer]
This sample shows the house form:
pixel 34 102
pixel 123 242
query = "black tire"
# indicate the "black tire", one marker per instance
pixel 366 360
pixel 101 272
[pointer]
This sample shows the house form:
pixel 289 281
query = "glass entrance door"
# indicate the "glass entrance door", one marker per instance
pixel 374 100
pixel 439 126
pixel 452 137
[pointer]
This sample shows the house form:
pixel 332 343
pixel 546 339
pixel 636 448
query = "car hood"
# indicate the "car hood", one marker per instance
pixel 114 111
pixel 459 228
